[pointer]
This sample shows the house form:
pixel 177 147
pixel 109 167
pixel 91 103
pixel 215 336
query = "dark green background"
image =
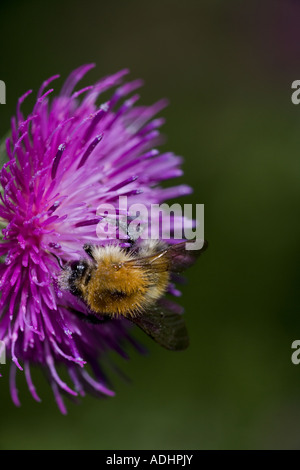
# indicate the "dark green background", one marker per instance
pixel 227 68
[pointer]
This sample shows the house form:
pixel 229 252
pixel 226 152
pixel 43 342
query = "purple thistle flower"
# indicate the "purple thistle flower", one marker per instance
pixel 67 157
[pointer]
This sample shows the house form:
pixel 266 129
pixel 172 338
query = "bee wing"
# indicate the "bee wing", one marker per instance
pixel 180 258
pixel 164 326
pixel 174 258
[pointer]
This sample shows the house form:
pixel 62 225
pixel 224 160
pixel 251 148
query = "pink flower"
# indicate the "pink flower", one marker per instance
pixel 65 158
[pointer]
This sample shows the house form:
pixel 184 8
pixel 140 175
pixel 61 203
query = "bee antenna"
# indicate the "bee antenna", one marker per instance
pixel 58 260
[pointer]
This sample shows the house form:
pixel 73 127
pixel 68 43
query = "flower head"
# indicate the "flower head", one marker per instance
pixel 68 156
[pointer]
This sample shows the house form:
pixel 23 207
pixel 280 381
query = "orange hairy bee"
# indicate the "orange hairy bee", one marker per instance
pixel 116 282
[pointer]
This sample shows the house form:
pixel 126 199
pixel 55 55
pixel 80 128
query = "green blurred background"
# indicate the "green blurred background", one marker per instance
pixel 227 68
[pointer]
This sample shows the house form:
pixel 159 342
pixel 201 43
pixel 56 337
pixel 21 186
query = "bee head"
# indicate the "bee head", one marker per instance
pixel 77 272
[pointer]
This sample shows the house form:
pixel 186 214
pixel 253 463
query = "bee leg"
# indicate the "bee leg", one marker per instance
pixel 93 320
pixel 89 318
pixel 89 250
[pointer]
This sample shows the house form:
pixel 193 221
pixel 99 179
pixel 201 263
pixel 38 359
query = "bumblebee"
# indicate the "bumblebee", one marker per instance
pixel 115 282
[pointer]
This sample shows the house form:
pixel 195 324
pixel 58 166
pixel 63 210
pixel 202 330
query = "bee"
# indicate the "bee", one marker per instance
pixel 114 282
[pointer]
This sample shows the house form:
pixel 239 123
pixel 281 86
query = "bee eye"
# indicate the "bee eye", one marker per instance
pixel 78 268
